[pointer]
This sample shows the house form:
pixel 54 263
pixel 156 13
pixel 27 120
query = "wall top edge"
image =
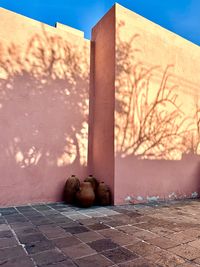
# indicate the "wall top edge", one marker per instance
pixel 119 9
pixel 58 26
pixel 70 29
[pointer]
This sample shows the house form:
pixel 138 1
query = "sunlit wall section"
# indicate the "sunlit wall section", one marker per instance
pixel 157 89
pixel 44 90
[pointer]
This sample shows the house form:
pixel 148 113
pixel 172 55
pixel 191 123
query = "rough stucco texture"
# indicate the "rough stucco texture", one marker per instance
pixel 156 112
pixel 44 90
pixel 143 117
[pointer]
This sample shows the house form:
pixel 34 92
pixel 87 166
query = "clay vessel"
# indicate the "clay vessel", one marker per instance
pixel 71 187
pixel 103 194
pixel 91 179
pixel 85 196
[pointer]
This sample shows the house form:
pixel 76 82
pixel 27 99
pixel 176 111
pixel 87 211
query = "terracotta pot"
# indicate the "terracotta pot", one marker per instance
pixel 103 194
pixel 85 196
pixel 91 179
pixel 71 187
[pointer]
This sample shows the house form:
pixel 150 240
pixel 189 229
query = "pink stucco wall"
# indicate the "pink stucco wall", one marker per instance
pixel 101 141
pixel 156 112
pixel 44 91
pixel 156 109
pixel 135 84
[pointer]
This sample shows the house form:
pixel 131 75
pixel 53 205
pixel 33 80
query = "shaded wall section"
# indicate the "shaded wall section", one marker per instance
pixel 157 89
pixel 101 141
pixel 44 91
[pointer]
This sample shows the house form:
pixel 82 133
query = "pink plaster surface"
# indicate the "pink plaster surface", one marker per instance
pixel 154 175
pixel 44 91
pixel 173 65
pixel 101 142
pixel 53 83
pixel 146 180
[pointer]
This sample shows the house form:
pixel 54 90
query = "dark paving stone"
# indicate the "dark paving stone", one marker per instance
pixel 119 254
pixel 8 211
pixel 124 239
pixel 59 219
pixel 34 215
pixel 102 244
pixel 24 208
pixel 66 241
pixel 66 263
pixel 89 221
pixel 42 221
pixel 13 252
pixel 89 236
pixel 67 224
pixel 98 226
pixel 56 204
pixel 26 231
pixel 18 262
pixel 19 225
pixel 53 231
pixel 8 242
pixel 78 251
pixel 2 220
pixel 76 229
pixel 15 218
pixel 6 234
pixel 41 207
pixel 94 260
pixel 27 239
pixel 37 247
pixel 4 227
pixel 60 207
pixel 48 257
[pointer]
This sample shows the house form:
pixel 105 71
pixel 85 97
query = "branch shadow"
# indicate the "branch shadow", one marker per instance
pixel 156 138
pixel 43 114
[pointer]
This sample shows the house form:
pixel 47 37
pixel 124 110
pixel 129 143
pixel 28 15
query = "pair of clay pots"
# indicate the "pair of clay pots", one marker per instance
pixel 87 193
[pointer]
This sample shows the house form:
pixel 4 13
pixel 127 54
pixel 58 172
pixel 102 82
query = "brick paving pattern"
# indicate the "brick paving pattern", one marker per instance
pixel 59 235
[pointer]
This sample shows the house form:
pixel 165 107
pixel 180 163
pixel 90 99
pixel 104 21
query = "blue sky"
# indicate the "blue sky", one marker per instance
pixel 179 16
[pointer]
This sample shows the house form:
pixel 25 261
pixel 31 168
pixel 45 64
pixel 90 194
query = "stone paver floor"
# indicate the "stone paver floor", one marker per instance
pixel 58 235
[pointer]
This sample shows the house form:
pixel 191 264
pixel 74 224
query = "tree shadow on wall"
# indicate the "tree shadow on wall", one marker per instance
pixel 151 121
pixel 43 108
pixel 156 137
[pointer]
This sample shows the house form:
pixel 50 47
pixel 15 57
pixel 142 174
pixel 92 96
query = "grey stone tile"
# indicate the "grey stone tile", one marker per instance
pixel 98 226
pixel 119 255
pixel 12 252
pixel 17 262
pixel 78 251
pixel 48 257
pixel 66 241
pixel 27 239
pixel 89 236
pixel 4 227
pixel 8 211
pixel 15 218
pixel 8 242
pixel 94 260
pixel 102 244
pixel 6 234
pixel 76 229
pixel 66 263
pixel 36 247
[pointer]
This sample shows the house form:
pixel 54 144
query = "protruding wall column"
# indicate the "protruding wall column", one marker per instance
pixel 101 132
